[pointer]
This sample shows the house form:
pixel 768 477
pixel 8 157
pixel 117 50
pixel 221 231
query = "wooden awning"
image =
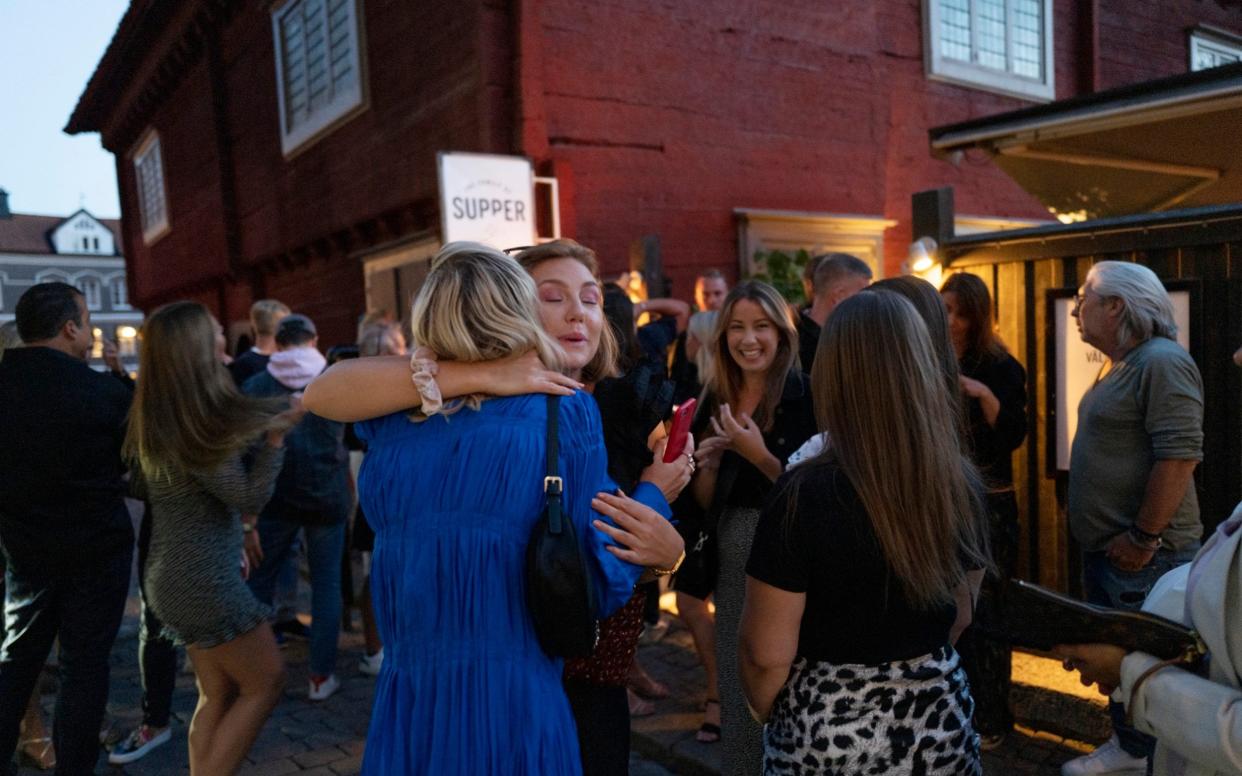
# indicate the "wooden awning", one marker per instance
pixel 1174 142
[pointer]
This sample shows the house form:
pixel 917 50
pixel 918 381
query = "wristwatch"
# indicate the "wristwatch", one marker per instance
pixel 1148 541
pixel 668 572
pixel 247 527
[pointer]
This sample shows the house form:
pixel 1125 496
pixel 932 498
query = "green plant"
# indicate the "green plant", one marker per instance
pixel 783 271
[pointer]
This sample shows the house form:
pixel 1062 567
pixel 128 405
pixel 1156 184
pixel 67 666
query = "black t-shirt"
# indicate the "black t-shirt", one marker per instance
pixel 992 446
pixel 247 365
pixel 808 339
pixel 855 610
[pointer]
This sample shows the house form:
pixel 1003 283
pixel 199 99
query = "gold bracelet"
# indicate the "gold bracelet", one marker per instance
pixel 668 572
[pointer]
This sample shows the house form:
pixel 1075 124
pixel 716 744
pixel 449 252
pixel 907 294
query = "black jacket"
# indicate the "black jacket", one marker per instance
pixel 62 490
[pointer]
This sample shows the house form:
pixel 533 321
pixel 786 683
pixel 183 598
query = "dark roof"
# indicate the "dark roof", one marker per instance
pixel 1188 85
pixel 23 233
pixel 116 69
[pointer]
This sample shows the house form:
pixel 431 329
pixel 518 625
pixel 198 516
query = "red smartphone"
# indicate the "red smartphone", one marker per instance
pixel 682 417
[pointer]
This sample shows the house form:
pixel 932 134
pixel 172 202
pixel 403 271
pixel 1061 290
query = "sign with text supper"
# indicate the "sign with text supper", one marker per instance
pixel 486 198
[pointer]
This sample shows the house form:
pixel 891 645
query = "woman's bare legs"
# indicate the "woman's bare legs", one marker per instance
pixel 694 613
pixel 239 683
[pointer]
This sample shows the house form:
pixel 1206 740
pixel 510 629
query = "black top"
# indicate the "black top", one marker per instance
pixel 792 425
pixel 855 610
pixel 61 477
pixel 247 365
pixel 656 337
pixel 684 373
pixel 630 407
pixel 992 447
pixel 808 339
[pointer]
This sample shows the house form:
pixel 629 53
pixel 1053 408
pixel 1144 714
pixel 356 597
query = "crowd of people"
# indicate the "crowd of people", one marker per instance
pixel 838 527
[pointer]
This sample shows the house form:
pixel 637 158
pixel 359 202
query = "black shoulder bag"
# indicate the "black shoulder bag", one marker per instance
pixel 559 590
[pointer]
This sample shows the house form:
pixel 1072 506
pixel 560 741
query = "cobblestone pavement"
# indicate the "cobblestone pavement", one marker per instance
pixel 327 738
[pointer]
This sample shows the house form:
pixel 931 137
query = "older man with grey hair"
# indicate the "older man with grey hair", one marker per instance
pixel 836 277
pixel 1132 502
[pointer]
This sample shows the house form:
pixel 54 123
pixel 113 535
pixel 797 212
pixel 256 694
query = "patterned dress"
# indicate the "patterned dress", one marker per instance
pixel 193 573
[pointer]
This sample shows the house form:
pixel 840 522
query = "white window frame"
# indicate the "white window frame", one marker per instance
pixel 91 287
pixel 1211 39
pixel 149 148
pixel 341 106
pixel 119 301
pixel 941 68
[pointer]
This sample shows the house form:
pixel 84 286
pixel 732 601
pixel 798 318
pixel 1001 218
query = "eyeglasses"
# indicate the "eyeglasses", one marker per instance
pixel 517 249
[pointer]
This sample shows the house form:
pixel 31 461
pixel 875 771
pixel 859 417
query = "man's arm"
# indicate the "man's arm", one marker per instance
pixel 1166 487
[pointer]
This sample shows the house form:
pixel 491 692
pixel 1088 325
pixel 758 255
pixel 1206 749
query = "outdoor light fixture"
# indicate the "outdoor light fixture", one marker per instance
pixel 921 255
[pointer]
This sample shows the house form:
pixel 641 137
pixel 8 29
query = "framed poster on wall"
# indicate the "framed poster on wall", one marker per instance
pixel 1073 365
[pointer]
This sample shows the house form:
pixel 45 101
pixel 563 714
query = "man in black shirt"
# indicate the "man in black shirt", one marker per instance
pixel 265 316
pixel 837 277
pixel 65 533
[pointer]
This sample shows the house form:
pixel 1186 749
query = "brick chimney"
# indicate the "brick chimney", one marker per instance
pixel 4 204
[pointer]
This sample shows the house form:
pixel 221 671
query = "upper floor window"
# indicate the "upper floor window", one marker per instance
pixel 318 66
pixel 152 203
pixel 120 293
pixel 1000 45
pixel 1213 48
pixel 92 289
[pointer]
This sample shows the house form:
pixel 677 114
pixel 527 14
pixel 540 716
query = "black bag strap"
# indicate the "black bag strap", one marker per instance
pixel 553 485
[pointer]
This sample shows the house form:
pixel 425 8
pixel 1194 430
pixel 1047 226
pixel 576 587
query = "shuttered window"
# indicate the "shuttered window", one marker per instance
pixel 1209 50
pixel 149 173
pixel 999 45
pixel 318 66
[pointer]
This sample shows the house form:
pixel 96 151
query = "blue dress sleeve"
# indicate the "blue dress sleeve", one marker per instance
pixel 585 463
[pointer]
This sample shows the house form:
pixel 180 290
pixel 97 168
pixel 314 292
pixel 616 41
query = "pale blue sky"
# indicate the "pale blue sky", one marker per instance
pixel 48 50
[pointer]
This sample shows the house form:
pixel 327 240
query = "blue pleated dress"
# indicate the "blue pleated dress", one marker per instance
pixel 465 687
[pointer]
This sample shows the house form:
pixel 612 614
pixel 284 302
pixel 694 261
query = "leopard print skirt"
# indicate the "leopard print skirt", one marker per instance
pixel 906 717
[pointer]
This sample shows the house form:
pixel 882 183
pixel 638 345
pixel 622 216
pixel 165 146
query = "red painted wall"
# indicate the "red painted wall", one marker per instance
pixel 656 119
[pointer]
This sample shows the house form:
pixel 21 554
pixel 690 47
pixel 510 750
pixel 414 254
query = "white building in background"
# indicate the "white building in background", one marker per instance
pixel 81 250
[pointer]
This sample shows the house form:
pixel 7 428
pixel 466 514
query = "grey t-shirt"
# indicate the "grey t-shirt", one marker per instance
pixel 1148 408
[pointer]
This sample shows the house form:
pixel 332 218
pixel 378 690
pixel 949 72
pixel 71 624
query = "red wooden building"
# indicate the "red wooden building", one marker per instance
pixel 288 148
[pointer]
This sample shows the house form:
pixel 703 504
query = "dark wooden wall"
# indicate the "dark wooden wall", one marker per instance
pixel 1202 246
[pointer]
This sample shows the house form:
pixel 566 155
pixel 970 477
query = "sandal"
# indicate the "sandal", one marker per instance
pixel 638 706
pixel 37 752
pixel 709 732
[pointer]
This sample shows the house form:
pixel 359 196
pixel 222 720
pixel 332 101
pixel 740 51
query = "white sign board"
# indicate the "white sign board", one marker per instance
pixel 487 198
pixel 1078 364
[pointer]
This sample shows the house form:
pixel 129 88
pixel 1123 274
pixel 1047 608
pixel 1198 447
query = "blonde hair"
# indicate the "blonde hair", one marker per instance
pixel 701 326
pixel 881 396
pixel 604 363
pixel 724 384
pixel 187 413
pixel 477 304
pixel 265 315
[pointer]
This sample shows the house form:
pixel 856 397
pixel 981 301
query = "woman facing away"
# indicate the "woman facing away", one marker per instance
pixel 205 454
pixel 465 686
pixel 993 385
pixel 755 410
pixel 859 561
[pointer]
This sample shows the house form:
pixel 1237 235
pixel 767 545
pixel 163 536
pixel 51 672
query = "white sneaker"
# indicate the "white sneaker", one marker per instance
pixel 322 689
pixel 370 664
pixel 1109 760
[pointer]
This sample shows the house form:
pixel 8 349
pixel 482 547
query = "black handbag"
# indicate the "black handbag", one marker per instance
pixel 560 592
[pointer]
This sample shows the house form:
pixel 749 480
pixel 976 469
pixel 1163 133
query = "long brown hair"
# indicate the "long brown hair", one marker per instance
pixel 882 398
pixel 974 303
pixel 724 384
pixel 187 413
pixel 604 363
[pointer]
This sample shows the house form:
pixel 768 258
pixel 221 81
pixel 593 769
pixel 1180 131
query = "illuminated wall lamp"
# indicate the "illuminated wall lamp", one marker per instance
pixel 921 256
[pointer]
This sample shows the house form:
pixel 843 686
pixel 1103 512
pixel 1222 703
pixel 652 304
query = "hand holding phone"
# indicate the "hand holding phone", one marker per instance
pixel 682 418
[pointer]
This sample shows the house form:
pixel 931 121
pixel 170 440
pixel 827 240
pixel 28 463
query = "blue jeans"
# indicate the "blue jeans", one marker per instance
pixel 324 546
pixel 1106 585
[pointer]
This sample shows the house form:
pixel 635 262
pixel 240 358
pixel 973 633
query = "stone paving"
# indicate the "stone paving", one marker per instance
pixel 327 739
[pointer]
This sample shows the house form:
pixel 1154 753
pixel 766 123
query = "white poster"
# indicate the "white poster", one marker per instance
pixel 1078 364
pixel 487 198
